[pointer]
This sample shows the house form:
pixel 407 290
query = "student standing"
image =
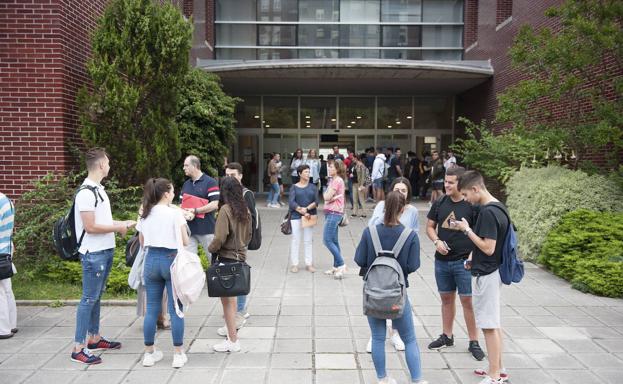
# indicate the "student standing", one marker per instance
pixel 488 237
pixel 303 196
pixel 297 161
pixel 409 259
pixel 334 212
pixel 163 231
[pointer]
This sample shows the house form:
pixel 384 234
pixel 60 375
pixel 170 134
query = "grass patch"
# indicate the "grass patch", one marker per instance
pixel 25 288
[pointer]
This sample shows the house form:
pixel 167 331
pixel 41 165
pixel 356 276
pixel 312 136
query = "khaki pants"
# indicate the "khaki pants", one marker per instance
pixel 359 197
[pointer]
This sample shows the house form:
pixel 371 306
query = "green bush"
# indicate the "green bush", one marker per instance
pixel 586 248
pixel 538 198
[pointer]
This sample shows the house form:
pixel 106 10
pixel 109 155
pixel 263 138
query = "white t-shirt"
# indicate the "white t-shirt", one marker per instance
pixel 162 227
pixel 85 202
pixel 450 162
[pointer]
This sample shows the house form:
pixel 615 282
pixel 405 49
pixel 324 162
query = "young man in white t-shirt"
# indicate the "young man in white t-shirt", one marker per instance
pixel 94 216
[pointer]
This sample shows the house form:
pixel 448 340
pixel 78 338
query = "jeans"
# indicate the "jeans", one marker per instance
pixel 157 272
pixel 452 276
pixel 406 330
pixel 307 234
pixel 95 269
pixel 329 237
pixel 273 194
pixel 241 303
pixel 350 192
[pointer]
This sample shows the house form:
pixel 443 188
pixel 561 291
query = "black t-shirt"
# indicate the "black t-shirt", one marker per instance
pixel 491 224
pixel 394 163
pixel 415 168
pixel 441 212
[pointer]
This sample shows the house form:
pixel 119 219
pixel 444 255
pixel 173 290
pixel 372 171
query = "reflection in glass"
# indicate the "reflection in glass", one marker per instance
pixel 360 10
pixel 356 112
pixel 318 35
pixel 235 34
pixel 394 113
pixel 432 113
pixel 319 10
pixel 277 35
pixel 276 10
pixel 248 113
pixel 442 55
pixel 235 54
pixel 403 54
pixel 364 142
pixel 359 53
pixel 239 10
pixel 318 113
pixel 444 11
pixel 359 35
pixel 442 36
pixel 276 54
pixel 318 54
pixel 402 36
pixel 401 10
pixel 280 112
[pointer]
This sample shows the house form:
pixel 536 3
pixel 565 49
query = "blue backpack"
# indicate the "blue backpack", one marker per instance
pixel 511 269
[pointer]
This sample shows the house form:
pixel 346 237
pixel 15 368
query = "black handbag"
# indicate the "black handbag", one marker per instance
pixel 286 224
pixel 131 249
pixel 228 279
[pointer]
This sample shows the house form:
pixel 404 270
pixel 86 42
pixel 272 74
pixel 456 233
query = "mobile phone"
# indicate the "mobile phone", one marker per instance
pixel 453 222
pixel 446 245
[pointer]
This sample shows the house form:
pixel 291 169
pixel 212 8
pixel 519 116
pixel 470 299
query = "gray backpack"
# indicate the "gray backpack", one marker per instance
pixel 384 285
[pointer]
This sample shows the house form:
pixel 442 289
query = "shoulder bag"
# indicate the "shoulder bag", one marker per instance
pixel 286 224
pixel 229 279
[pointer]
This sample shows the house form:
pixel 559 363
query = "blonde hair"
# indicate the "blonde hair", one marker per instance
pixel 309 154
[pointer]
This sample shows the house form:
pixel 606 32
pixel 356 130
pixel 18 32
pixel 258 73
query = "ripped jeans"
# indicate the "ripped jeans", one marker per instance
pixel 95 269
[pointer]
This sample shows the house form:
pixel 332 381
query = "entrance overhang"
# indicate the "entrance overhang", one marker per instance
pixel 349 76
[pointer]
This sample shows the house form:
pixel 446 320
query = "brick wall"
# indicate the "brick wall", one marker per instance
pixel 470 27
pixel 43 47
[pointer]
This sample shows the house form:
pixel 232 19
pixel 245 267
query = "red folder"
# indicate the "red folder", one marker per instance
pixel 190 201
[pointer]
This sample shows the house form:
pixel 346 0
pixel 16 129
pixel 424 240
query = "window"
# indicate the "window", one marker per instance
pixel 235 54
pixel 357 112
pixel 276 10
pixel 359 10
pixel 432 113
pixel 394 113
pixel 280 112
pixel 318 54
pixel 401 10
pixel 248 113
pixel 359 35
pixel 442 11
pixel 318 113
pixel 318 35
pixel 277 35
pixel 442 36
pixel 504 10
pixel 240 10
pixel 402 36
pixel 276 54
pixel 236 34
pixel 319 10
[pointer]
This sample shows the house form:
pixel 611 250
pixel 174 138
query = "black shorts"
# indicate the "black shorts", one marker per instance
pixel 438 185
pixel 279 181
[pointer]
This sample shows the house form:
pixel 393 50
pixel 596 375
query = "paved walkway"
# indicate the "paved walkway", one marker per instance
pixel 309 328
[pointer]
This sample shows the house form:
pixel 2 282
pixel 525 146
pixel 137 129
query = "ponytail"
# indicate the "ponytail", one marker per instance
pixel 152 193
pixel 394 204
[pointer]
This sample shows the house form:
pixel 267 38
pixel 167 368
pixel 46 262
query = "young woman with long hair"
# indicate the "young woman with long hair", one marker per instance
pixel 295 163
pixel 333 213
pixel 232 233
pixel 303 196
pixel 409 259
pixel 162 230
pixel 314 166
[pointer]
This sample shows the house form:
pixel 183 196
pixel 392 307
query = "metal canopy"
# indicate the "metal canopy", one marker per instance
pixel 349 76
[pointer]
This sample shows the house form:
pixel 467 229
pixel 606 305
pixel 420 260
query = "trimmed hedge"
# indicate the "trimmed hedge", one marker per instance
pixel 586 248
pixel 538 198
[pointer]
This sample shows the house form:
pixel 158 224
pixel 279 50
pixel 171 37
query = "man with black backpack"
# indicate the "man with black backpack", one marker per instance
pixel 452 250
pixel 93 220
pixel 235 170
pixel 488 237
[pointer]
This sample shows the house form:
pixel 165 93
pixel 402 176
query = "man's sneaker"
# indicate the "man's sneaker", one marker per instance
pixel 240 322
pixel 488 380
pixel 227 346
pixel 149 359
pixel 397 341
pixel 179 359
pixel 330 271
pixel 85 357
pixel 339 272
pixel 475 350
pixel 103 344
pixel 442 342
pixel 483 372
pixel 388 380
pixel 369 346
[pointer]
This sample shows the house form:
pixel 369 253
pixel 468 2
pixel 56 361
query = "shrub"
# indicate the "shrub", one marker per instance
pixel 586 248
pixel 538 198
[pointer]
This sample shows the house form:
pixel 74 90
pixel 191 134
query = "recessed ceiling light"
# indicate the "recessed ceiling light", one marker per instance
pixel 389 126
pixel 409 117
pixel 333 120
pixel 353 122
pixel 267 126
pixel 398 122
pixel 348 126
pixel 256 117
pixel 359 117
pixel 308 126
pixel 307 117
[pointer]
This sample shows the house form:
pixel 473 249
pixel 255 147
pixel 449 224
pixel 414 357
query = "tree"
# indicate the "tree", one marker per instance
pixel 206 121
pixel 140 56
pixel 577 71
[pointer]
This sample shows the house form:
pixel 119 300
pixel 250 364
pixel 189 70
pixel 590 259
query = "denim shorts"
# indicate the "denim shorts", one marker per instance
pixel 452 275
pixel 377 184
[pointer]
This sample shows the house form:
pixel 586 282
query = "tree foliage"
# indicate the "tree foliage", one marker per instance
pixel 572 101
pixel 140 56
pixel 206 121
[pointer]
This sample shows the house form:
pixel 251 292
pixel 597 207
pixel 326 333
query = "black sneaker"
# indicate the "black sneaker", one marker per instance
pixel 475 350
pixel 442 342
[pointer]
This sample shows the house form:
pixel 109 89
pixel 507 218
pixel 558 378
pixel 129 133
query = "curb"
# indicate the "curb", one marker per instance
pixel 106 303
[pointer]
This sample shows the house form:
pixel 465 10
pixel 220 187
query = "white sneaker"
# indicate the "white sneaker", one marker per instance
pixel 227 346
pixel 482 372
pixel 240 322
pixel 369 346
pixel 397 341
pixel 388 380
pixel 330 271
pixel 245 314
pixel 488 380
pixel 339 272
pixel 179 359
pixel 149 359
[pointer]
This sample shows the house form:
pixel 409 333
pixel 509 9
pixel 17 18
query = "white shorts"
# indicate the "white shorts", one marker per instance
pixel 486 300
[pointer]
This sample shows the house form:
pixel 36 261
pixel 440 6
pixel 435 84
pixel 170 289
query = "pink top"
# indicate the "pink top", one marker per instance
pixel 336 205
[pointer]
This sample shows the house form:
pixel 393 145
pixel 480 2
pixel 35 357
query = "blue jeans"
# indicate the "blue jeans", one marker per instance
pixel 273 194
pixel 329 237
pixel 452 276
pixel 241 303
pixel 157 272
pixel 95 269
pixel 406 330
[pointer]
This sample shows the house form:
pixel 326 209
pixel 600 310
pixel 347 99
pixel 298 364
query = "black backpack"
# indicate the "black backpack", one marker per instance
pixel 256 230
pixel 64 236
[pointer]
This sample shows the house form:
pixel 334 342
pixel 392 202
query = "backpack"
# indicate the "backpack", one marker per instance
pixel 187 279
pixel 256 225
pixel 64 235
pixel 384 286
pixel 511 269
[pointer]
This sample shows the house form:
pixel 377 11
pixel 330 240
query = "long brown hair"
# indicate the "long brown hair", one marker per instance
pixel 152 193
pixel 394 204
pixel 340 168
pixel 231 193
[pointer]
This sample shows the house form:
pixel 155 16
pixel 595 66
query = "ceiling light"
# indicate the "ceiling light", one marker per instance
pixel 352 122
pixel 333 120
pixel 408 117
pixel 348 126
pixel 359 117
pixel 256 117
pixel 308 126
pixel 307 117
pixel 267 126
pixel 389 126
pixel 398 122
pixel 308 122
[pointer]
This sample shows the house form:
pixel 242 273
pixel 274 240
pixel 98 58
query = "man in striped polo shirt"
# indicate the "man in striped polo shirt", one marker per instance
pixel 8 310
